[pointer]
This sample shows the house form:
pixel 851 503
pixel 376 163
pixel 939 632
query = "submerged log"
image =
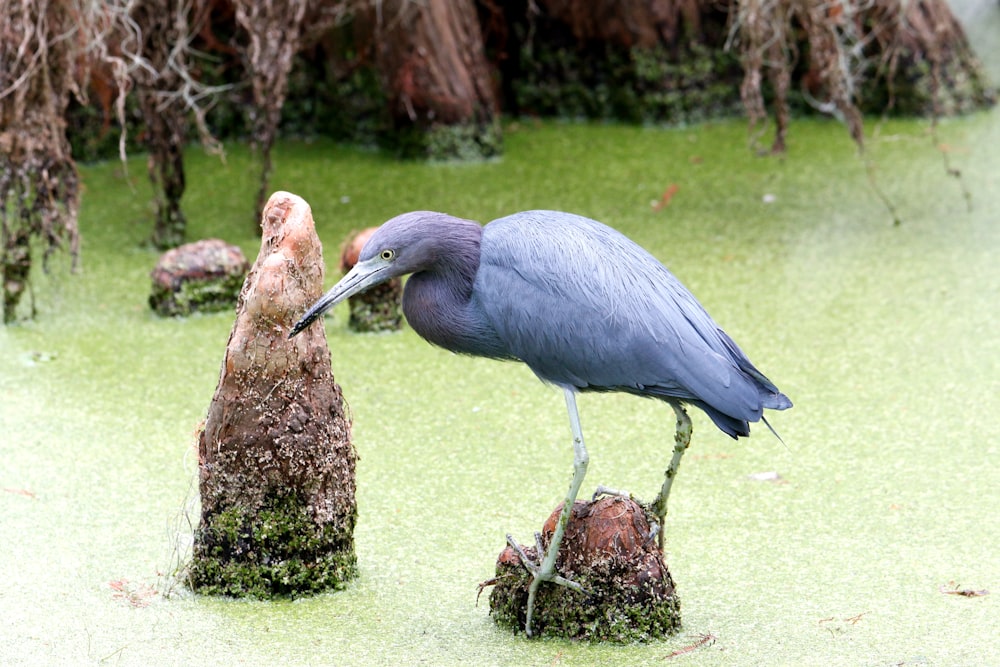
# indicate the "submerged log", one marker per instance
pixel 609 551
pixel 276 463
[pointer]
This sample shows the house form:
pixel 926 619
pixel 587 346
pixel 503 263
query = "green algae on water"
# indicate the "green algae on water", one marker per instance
pixel 878 331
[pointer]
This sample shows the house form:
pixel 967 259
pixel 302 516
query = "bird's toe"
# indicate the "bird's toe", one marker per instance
pixel 535 567
pixel 602 490
pixel 529 564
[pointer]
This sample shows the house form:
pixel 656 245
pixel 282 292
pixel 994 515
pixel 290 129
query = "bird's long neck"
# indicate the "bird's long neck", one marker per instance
pixel 438 301
pixel 457 261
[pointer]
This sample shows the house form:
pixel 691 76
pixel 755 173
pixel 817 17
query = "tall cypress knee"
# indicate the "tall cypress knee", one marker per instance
pixel 276 463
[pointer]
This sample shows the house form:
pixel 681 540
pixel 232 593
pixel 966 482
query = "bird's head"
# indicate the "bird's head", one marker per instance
pixel 405 244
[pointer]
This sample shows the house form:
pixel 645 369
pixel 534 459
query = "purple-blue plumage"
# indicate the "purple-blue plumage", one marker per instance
pixel 582 305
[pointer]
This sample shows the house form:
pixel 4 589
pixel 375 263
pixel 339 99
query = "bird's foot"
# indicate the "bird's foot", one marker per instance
pixel 542 569
pixel 538 572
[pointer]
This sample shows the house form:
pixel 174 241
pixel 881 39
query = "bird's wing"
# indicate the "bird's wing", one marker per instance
pixel 585 307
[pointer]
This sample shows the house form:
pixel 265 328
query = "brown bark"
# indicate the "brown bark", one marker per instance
pixel 276 464
pixel 628 23
pixel 433 63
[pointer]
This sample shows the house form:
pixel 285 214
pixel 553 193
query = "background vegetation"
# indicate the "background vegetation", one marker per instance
pixel 425 79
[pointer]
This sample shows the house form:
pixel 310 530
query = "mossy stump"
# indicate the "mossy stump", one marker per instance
pixel 275 550
pixel 608 550
pixel 202 276
pixel 275 459
pixel 379 308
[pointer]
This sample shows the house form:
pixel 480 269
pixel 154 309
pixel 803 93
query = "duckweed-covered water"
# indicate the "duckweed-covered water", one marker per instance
pixel 886 337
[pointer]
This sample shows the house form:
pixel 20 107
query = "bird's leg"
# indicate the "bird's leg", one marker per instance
pixel 682 438
pixel 546 570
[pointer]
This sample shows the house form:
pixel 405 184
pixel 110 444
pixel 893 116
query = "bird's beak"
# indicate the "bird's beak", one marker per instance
pixel 364 275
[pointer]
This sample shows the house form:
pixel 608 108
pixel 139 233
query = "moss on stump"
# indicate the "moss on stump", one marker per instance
pixel 378 309
pixel 608 550
pixel 273 550
pixel 202 276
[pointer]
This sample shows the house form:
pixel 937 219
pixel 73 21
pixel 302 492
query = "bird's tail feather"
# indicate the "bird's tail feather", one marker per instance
pixel 775 400
pixel 771 396
pixel 731 426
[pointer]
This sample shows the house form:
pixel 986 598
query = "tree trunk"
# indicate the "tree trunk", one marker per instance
pixel 276 463
pixel 434 68
pixel 274 28
pixel 164 31
pixel 166 139
pixel 926 63
pixel 39 185
pixel 16 270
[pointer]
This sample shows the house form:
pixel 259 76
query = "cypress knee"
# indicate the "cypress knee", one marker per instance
pixel 276 462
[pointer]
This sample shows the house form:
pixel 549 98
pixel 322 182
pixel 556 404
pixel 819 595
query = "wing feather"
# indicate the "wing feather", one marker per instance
pixel 603 314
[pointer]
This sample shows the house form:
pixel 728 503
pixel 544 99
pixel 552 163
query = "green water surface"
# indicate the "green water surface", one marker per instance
pixel 887 338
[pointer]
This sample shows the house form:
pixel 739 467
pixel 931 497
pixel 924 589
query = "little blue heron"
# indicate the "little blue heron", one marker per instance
pixel 583 306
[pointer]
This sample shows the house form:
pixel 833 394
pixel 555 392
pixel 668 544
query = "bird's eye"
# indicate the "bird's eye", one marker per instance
pixel 387 254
